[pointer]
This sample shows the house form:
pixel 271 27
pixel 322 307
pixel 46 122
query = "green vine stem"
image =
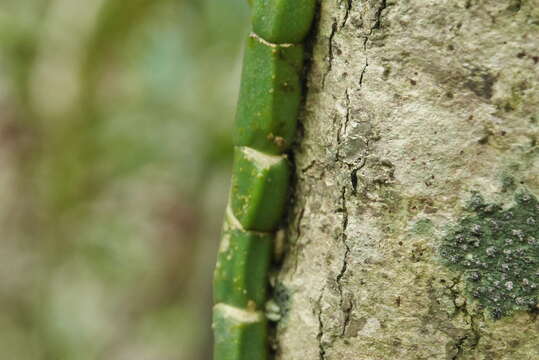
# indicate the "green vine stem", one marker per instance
pixel 267 112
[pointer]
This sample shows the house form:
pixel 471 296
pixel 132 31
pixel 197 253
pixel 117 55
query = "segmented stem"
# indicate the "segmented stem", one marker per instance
pixel 266 118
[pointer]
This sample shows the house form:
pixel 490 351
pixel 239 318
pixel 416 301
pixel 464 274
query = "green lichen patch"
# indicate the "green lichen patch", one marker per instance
pixel 497 250
pixel 423 227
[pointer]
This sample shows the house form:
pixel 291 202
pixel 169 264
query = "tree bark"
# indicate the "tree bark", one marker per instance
pixel 420 123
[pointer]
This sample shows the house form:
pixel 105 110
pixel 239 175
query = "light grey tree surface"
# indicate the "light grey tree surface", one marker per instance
pixel 418 136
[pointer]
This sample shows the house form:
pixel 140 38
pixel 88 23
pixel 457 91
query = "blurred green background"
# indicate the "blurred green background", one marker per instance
pixel 115 152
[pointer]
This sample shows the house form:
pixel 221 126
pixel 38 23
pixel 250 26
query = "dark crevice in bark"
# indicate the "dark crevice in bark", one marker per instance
pixel 298 222
pixel 353 180
pixel 348 106
pixel 312 39
pixel 339 132
pixel 308 167
pixel 298 236
pixel 319 336
pixel 378 15
pixel 348 9
pixel 459 346
pixel 364 68
pixel 344 307
pixel 330 53
pixel 358 165
pixel 344 225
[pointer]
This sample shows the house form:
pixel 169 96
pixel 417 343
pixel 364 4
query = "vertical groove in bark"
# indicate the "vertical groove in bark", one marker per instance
pixel 412 108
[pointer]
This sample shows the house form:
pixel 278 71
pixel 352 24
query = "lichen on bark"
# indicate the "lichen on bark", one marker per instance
pixel 412 107
pixel 497 251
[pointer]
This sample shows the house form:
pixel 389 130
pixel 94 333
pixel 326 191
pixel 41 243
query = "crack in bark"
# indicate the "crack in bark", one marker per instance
pixel 377 24
pixel 458 345
pixel 311 165
pixel 308 167
pixel 347 307
pixel 321 350
pixel 378 16
pixel 344 267
pixel 330 53
pixel 343 126
pixel 339 131
pixel 354 171
pixel 344 225
pixel 348 9
pixel 298 222
pixel 298 235
pixel 335 27
pixel 364 67
pixel 347 117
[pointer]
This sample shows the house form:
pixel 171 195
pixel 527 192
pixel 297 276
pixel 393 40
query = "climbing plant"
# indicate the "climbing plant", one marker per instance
pixel 266 118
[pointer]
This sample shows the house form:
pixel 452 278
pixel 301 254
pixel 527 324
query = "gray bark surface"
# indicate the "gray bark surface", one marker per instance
pixel 412 107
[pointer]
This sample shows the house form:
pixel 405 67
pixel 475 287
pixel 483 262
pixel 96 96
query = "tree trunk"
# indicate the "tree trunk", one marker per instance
pixel 413 231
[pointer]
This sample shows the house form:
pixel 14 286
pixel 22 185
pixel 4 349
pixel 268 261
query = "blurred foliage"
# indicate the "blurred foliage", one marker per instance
pixel 115 148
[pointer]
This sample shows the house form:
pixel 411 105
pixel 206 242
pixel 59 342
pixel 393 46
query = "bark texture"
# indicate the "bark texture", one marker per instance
pixel 413 108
